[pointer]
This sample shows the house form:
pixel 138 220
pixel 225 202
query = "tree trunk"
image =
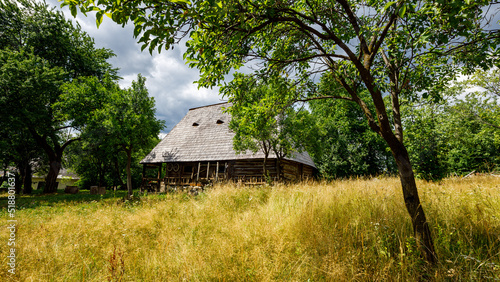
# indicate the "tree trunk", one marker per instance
pixel 55 159
pixel 129 173
pixel 421 229
pixel 51 179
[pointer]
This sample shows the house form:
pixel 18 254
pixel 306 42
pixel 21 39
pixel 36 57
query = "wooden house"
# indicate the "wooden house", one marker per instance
pixel 199 149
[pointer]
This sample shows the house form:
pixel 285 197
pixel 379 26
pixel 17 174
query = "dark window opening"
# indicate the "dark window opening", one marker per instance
pixel 222 168
pixel 219 121
pixel 188 168
pixel 195 124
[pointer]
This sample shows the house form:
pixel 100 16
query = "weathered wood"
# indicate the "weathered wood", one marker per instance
pixel 469 174
pixel 217 172
pixel 158 187
pixel 198 175
pixel 241 171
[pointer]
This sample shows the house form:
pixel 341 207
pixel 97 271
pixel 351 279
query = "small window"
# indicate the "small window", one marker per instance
pixel 188 169
pixel 220 121
pixel 195 124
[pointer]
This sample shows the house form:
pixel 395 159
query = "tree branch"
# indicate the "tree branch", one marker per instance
pixel 325 97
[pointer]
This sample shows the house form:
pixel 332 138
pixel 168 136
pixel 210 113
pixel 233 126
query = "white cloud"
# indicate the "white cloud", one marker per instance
pixel 168 79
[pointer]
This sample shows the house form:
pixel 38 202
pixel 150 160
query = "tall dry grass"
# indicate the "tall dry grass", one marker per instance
pixel 345 230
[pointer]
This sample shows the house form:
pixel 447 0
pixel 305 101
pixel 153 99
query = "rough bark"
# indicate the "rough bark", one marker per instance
pixel 419 222
pixel 51 179
pixel 55 158
pixel 266 155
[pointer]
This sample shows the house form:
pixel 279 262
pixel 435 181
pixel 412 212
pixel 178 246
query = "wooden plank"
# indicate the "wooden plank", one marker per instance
pixel 208 169
pixel 217 172
pixel 198 174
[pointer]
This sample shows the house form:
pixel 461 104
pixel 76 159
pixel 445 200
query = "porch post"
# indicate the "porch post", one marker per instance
pixel 208 169
pixel 198 173
pixel 159 176
pixel 217 172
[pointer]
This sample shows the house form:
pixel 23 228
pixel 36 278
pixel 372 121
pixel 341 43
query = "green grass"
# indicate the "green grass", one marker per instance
pixel 345 230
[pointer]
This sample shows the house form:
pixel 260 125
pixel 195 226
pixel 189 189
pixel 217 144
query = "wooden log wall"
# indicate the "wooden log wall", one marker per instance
pixel 248 171
pixel 307 172
pixel 254 167
pixel 294 171
pixel 290 170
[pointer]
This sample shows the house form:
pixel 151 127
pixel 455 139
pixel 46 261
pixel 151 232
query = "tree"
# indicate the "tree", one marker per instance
pixel 482 105
pixel 346 146
pixel 444 138
pixel 28 83
pixel 130 121
pixel 79 102
pixel 394 48
pixel 115 119
pixel 44 50
pixel 257 123
pixel 426 139
pixel 475 106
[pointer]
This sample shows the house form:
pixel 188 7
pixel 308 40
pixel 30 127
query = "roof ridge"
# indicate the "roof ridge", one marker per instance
pixel 227 102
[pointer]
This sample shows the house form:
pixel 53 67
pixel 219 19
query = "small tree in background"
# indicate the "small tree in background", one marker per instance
pixel 259 125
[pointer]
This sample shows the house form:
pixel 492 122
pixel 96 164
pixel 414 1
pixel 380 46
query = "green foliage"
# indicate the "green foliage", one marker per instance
pixel 397 49
pixel 111 120
pixel 345 145
pixel 28 86
pixel 40 51
pixel 404 49
pixel 257 120
pixel 425 140
pixel 457 136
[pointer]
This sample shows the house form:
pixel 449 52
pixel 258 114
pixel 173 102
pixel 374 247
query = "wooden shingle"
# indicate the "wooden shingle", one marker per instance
pixel 204 135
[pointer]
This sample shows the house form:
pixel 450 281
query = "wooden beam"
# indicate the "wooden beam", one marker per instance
pixel 159 178
pixel 208 169
pixel 217 172
pixel 198 173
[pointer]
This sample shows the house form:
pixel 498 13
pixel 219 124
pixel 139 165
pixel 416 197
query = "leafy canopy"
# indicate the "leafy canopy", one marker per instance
pixel 39 51
pixel 401 46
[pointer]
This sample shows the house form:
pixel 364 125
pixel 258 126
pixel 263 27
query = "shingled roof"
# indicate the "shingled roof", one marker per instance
pixel 204 135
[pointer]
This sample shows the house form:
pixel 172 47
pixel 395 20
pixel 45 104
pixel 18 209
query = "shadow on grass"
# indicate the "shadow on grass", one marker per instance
pixel 37 199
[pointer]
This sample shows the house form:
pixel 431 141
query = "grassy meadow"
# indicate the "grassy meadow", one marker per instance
pixel 317 231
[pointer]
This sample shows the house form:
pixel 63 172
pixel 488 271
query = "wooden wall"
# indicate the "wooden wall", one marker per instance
pixel 248 171
pixel 253 170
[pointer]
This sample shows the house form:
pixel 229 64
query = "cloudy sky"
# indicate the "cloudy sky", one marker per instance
pixel 169 79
